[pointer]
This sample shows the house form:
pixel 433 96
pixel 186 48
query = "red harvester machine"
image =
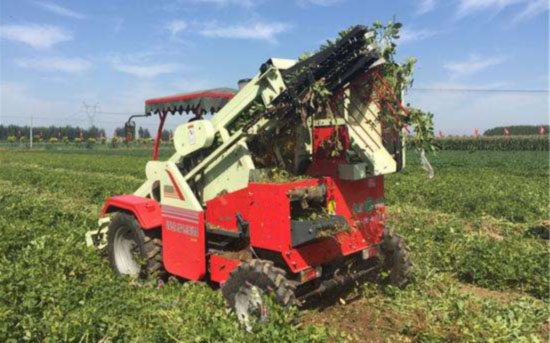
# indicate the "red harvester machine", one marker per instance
pixel 280 191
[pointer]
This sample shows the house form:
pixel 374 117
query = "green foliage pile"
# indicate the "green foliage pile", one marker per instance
pixel 517 130
pixel 399 77
pixel 495 143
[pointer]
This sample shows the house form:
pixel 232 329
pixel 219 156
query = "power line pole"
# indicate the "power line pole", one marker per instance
pixel 30 138
pixel 91 111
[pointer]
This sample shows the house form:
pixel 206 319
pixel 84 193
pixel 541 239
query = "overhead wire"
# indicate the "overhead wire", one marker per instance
pixel 413 89
pixel 477 90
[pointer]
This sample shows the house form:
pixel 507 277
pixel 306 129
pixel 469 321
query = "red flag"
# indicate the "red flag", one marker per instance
pixel 476 133
pixel 541 130
pixel 506 132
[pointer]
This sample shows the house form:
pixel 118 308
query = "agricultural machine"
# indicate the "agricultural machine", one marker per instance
pixel 280 191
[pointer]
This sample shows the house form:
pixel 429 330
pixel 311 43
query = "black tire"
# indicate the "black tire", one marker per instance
pixel 132 250
pixel 397 259
pixel 264 275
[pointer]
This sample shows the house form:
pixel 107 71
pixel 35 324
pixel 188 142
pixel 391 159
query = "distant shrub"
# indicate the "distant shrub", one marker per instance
pixel 90 142
pixel 114 141
pixel 11 139
pixel 66 140
pixel 53 140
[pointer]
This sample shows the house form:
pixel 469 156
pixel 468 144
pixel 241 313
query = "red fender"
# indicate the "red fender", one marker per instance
pixel 147 211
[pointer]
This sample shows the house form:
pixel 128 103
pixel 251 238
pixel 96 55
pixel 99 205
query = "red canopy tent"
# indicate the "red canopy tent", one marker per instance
pixel 204 101
pixel 210 100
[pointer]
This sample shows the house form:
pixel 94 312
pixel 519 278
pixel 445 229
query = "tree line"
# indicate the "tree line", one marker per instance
pixel 71 132
pixel 47 132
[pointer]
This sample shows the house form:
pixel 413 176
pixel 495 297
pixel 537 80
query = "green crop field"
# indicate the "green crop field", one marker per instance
pixel 478 232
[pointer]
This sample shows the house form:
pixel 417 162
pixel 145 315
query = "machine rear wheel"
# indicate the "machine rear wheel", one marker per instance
pixel 397 259
pixel 250 282
pixel 133 251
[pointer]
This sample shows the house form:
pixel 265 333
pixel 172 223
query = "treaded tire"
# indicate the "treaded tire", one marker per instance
pixel 397 260
pixel 264 275
pixel 145 257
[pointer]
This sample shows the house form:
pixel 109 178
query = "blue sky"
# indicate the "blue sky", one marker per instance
pixel 57 55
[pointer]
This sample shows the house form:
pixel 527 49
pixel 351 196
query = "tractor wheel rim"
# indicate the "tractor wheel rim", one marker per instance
pixel 125 251
pixel 250 307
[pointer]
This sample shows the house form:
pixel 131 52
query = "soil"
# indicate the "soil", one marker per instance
pixel 353 316
pixel 484 293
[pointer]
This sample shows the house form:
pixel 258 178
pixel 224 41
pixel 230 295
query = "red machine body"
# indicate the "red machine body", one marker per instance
pixel 183 242
pixel 266 212
pixel 146 211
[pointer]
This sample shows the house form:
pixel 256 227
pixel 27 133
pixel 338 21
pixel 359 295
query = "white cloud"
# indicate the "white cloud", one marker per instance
pixel 68 65
pixel 323 3
pixel 425 6
pixel 460 112
pixel 473 65
pixel 408 35
pixel 175 27
pixel 530 7
pixel 145 63
pixel 257 31
pixel 35 35
pixel 17 99
pixel 534 8
pixel 225 3
pixel 62 11
pixel 469 6
pixel 148 70
pixel 192 84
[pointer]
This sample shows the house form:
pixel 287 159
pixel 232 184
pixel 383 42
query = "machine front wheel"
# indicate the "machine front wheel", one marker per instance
pixel 133 251
pixel 397 259
pixel 247 285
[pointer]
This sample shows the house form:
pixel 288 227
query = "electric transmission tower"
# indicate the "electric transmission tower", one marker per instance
pixel 91 111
